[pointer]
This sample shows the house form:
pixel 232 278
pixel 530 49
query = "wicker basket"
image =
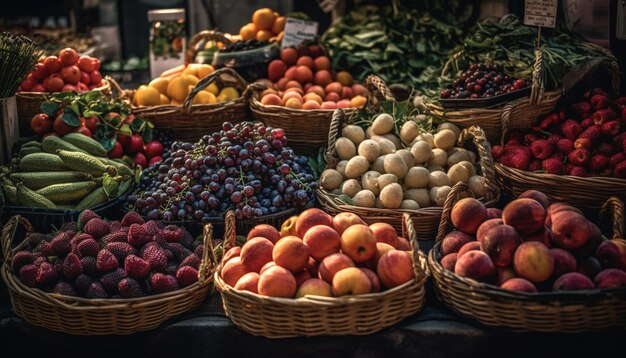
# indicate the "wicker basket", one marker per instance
pixel 82 316
pixel 563 312
pixel 29 104
pixel 425 220
pixel 314 315
pixel 307 130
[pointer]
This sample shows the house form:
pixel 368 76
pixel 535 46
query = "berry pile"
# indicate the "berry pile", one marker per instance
pixel 244 46
pixel 246 167
pixel 482 80
pixel 583 139
pixel 95 258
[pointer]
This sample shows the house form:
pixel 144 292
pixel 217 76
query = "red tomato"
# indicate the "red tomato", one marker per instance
pixel 68 56
pixel 28 83
pixel 40 72
pixel 86 63
pixel 52 64
pixel 53 83
pixel 84 78
pixel 41 123
pixel 96 77
pixel 91 123
pixel 70 74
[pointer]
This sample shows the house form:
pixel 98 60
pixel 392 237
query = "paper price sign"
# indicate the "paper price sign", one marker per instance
pixel 540 13
pixel 297 31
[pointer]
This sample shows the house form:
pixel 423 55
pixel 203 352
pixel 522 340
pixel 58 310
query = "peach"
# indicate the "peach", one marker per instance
pixel 612 254
pixel 564 262
pixel 318 90
pixel 306 87
pixel 233 270
pixel 301 277
pixel 322 241
pixel 289 55
pixel 485 226
pixel 288 227
pixel 520 285
pixel 403 244
pixel 572 281
pixel 334 87
pixel 266 266
pixel 589 266
pixel 344 77
pixel 544 235
pixel 344 220
pixel 313 97
pixel 373 279
pixel 453 241
pixel 476 265
pixel 344 103
pixel 384 233
pixel 289 95
pixel 314 287
pixel 589 248
pixel 359 89
pixel 381 249
pixel 282 83
pixel 449 261
pixel 315 51
pixel 294 89
pixel 248 282
pixel 264 230
pixel 351 281
pixel 311 105
pixel 312 267
pixel 540 197
pixel 306 61
pixel 504 274
pixel 532 261
pixel 500 243
pixel 321 63
pixel 233 252
pixel 293 103
pixel 329 105
pixel 322 78
pixel 303 74
pixel 494 213
pixel 312 217
pixel 358 242
pixel 276 281
pixel 347 93
pixel 292 84
pixel 470 246
pixel 268 91
pixel 467 215
pixel 610 278
pixel 276 70
pixel 331 264
pixel 358 101
pixel 571 230
pixel 395 268
pixel 255 253
pixel 525 215
pixel 271 100
pixel 291 253
pixel 332 97
pixel 290 75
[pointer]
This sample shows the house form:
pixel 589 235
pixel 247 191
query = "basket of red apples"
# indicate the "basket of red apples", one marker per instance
pixel 575 154
pixel 534 266
pixel 321 275
pixel 52 74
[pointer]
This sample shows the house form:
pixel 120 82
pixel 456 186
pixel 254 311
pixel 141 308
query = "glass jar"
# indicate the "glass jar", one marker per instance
pixel 167 39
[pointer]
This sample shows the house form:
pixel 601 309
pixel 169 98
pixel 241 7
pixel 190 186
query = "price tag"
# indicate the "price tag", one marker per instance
pixel 540 13
pixel 297 31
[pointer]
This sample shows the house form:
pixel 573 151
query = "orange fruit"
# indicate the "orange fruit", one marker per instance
pixel 279 25
pixel 248 31
pixel 263 35
pixel 148 96
pixel 263 18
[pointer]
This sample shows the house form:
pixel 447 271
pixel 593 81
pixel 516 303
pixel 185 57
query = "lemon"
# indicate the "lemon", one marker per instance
pixel 160 84
pixel 204 97
pixel 205 70
pixel 192 69
pixel 177 89
pixel 147 96
pixel 164 99
pixel 229 94
pixel 191 79
pixel 213 89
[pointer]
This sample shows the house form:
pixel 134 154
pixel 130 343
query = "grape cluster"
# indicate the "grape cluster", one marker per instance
pixel 246 167
pixel 482 80
pixel 244 45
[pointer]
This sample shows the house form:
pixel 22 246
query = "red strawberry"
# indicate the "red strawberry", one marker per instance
pixel 186 275
pixel 620 170
pixel 138 235
pixel 88 247
pixel 40 260
pixel 617 158
pixel 136 267
pixel 28 275
pixel 496 152
pixel 72 268
pixel 611 128
pixel 34 239
pixel 598 162
pixel 565 145
pixel 132 217
pixel 553 139
pixel 85 216
pixel 106 261
pixel 120 250
pixel 529 138
pixel 96 290
pixel 179 251
pixel 581 109
pixel 582 143
pixel 46 275
pixel 70 226
pixel 64 288
pixel 579 156
pixel 192 260
pixel 155 256
pixel 172 233
pixel 594 91
pixel 593 133
pixel 578 171
pixel 602 116
pixel 171 268
pixel 152 227
pixel 21 259
pixel 199 250
pixel 58 266
pixel 61 244
pixel 89 265
pixel 78 239
pixel 558 155
pixel 571 129
pixel 160 283
pixel 534 165
pixel 187 240
pixel 115 226
pixel 82 283
pixel 599 101
pixel 541 149
pixel 44 249
pixel 97 228
pixel 110 280
pixel 130 288
pixel 586 123
pixel 605 148
pixel 116 236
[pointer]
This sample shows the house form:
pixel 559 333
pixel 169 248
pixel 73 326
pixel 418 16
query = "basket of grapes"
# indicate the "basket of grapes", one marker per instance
pixel 247 168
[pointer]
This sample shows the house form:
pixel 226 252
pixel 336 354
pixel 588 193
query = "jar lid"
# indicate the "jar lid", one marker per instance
pixel 166 14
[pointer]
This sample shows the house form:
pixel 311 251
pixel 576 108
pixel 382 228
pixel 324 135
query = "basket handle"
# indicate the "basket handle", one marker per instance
pixel 375 82
pixel 206 81
pixel 230 231
pixel 452 198
pixel 333 134
pixel 408 231
pixel 616 206
pixel 8 232
pixel 206 35
pixel 116 89
pixel 505 119
pixel 486 160
pixel 205 269
pixel 537 88
pixel 446 66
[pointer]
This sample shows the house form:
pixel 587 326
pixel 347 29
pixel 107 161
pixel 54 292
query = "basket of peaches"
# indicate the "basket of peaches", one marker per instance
pixel 321 275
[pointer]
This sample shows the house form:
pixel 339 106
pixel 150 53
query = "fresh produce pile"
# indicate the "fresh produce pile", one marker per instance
pixel 583 139
pixel 303 79
pixel 109 121
pixel 244 45
pixel 64 173
pixel 96 258
pixel 399 44
pixel 321 255
pixel 482 80
pixel 247 167
pixel 266 25
pixel 410 170
pixel 63 73
pixel 532 246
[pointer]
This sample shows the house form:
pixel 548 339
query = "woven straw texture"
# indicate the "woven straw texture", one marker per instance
pixel 315 315
pixel 307 130
pixel 425 220
pixel 81 316
pixel 564 312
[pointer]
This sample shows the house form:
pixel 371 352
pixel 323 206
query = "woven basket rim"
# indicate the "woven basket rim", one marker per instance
pixel 437 106
pixel 597 180
pixel 255 104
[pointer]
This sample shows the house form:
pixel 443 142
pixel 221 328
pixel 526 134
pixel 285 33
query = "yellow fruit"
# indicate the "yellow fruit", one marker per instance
pixel 228 93
pixel 160 84
pixel 205 70
pixel 248 31
pixel 213 89
pixel 263 35
pixel 176 103
pixel 147 96
pixel 204 97
pixel 177 89
pixel 279 25
pixel 164 99
pixel 263 18
pixel 191 79
pixel 192 69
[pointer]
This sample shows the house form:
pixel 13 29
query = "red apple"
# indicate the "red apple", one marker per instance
pixel 41 123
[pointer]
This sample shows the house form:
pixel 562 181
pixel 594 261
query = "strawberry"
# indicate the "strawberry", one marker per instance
pixel 85 216
pixel 599 101
pixel 64 288
pixel 188 241
pixel 82 283
pixel 78 239
pixel 541 148
pixel 44 249
pixel 578 171
pixel 97 228
pixel 160 283
pixel 168 253
pixel 582 143
pixel 136 267
pixel 610 128
pixel 106 261
pixel 534 165
pixel 89 265
pixel 88 247
pixel 619 139
pixel 529 138
pixel 581 109
pixel 571 129
pixel 553 139
pixel 192 260
pixel 28 275
pixel 172 233
pixel 579 156
pixel 58 266
pixel 132 217
pixel 40 260
pixel 138 235
pixel 120 250
pixel 593 133
pixel 61 244
pixel 130 288
pixel 586 123
pixel 497 151
pixel 179 251
pixel 186 275
pixel 558 155
pixel 46 275
pixel 171 268
pixel 96 290
pixel 565 145
pixel 617 158
pixel 602 116
pixel 72 268
pixel 594 91
pixel 155 256
pixel 70 226
pixel 544 124
pixel 115 226
pixel 116 236
pixel 110 280
pixel 152 227
pixel 598 162
pixel 620 170
pixel 21 259
pixel 199 250
pixel 605 148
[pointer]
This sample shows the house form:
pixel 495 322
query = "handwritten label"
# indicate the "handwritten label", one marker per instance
pixel 540 13
pixel 297 31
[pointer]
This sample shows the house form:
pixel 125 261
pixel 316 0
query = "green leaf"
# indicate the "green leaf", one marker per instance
pixel 93 96
pixel 108 142
pixel 124 185
pixel 346 199
pixel 137 124
pixel 138 172
pixel 49 108
pixel 70 118
pixel 110 185
pixel 147 134
pixel 90 113
pixel 115 121
pixel 125 129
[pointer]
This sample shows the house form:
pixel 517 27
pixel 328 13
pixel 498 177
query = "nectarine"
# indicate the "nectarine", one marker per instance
pixel 358 242
pixel 331 264
pixel 314 287
pixel 395 268
pixel 248 282
pixel 532 261
pixel 233 270
pixel 291 253
pixel 351 281
pixel 266 231
pixel 311 217
pixel 322 241
pixel 276 281
pixel 255 253
pixel 467 215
